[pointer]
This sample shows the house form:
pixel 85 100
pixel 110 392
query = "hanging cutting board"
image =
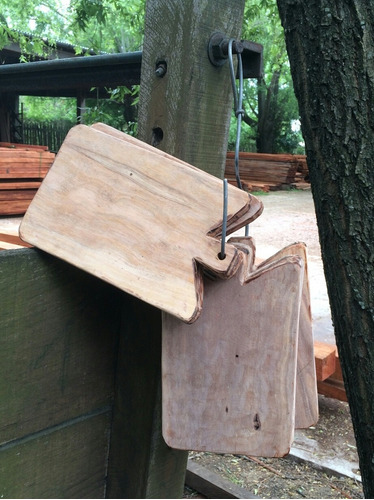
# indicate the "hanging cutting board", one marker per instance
pixel 306 413
pixel 306 380
pixel 235 222
pixel 134 218
pixel 229 378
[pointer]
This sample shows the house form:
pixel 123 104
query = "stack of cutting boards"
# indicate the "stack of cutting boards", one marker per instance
pixel 237 360
pixel 22 169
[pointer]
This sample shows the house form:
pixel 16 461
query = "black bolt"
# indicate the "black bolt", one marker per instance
pixel 161 69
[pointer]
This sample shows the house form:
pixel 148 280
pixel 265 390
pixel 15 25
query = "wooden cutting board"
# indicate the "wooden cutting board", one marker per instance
pixel 306 413
pixel 135 218
pixel 233 224
pixel 306 380
pixel 229 378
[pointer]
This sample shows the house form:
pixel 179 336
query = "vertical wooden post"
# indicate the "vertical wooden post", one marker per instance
pixel 185 112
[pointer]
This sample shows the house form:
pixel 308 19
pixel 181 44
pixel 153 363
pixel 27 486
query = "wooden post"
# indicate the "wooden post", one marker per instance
pixel 186 112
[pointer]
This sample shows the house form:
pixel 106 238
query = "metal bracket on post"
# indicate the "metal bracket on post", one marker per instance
pixel 251 54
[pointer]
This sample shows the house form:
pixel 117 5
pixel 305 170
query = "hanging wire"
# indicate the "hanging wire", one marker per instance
pixel 238 108
pixel 222 254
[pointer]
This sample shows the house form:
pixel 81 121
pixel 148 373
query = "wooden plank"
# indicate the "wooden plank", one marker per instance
pixel 140 463
pixel 324 359
pixel 229 378
pixel 57 345
pixel 158 214
pixel 187 134
pixel 23 171
pixel 15 194
pixel 249 155
pixel 27 183
pixel 332 389
pixel 337 375
pixel 213 485
pixel 15 207
pixel 306 379
pixel 187 125
pixel 65 461
pixel 13 239
pixel 333 386
pixel 233 223
pixel 16 145
pixel 21 154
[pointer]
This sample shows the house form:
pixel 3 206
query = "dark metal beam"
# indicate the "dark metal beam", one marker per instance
pixel 65 77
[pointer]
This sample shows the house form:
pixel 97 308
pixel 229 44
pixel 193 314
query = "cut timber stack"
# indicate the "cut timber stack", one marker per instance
pixel 328 370
pixel 22 169
pixel 268 172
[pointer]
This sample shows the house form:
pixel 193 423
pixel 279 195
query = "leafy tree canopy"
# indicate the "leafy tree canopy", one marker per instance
pixel 117 26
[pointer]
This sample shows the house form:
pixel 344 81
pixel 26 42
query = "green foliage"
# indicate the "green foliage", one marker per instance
pixel 117 26
pixel 111 111
pixel 270 103
pixel 108 25
pixel 48 108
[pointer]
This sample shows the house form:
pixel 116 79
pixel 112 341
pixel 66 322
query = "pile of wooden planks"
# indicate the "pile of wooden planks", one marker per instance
pixel 268 172
pixel 22 169
pixel 328 370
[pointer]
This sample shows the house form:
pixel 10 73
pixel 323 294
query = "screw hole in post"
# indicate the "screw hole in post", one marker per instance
pixel 157 136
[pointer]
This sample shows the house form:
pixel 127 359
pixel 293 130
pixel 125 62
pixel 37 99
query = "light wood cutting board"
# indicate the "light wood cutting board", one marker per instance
pixel 233 224
pixel 306 411
pixel 134 218
pixel 306 380
pixel 229 378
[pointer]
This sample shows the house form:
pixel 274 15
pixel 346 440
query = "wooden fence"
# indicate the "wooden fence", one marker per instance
pixel 47 133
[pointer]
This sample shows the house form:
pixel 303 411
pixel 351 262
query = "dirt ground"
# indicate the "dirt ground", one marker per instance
pixel 288 217
pixel 288 477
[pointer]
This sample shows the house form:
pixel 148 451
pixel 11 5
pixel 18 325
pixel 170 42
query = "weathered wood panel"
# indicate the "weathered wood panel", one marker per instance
pixel 186 113
pixel 192 122
pixel 140 463
pixel 66 461
pixel 57 342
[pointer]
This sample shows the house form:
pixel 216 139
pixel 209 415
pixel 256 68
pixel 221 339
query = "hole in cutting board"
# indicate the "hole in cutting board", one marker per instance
pixel 256 422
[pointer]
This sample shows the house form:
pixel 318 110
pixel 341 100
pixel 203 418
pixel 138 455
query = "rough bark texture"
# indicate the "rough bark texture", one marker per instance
pixel 331 51
pixel 268 121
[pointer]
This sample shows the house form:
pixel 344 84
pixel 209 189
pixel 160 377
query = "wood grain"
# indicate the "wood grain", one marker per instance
pixel 325 359
pixel 306 381
pixel 57 345
pixel 234 222
pixel 133 218
pixel 68 461
pixel 229 378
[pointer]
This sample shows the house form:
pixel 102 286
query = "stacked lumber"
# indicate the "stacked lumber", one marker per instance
pixel 328 370
pixel 11 242
pixel 268 172
pixel 22 169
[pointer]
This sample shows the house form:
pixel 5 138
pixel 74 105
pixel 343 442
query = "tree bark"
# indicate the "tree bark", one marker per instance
pixel 331 51
pixel 268 122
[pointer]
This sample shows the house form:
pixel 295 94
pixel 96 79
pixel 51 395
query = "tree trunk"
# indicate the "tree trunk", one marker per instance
pixel 268 124
pixel 331 51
